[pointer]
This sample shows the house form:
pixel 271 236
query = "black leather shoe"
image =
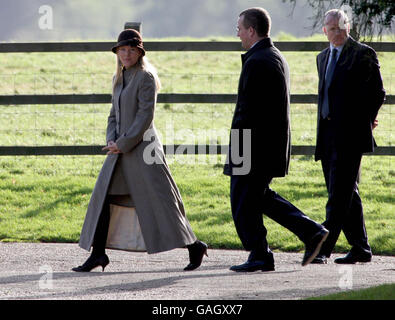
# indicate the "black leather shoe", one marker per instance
pixel 314 245
pixel 352 258
pixel 251 266
pixel 196 252
pixel 319 259
pixel 93 262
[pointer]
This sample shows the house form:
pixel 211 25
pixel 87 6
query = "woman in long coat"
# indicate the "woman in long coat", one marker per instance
pixel 135 204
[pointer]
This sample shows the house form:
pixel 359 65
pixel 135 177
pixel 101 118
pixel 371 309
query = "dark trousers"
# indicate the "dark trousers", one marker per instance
pixel 344 209
pixel 100 239
pixel 251 197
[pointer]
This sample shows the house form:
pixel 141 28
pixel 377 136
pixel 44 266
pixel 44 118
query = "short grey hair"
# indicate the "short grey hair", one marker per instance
pixel 338 14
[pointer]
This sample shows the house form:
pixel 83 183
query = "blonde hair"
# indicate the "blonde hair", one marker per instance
pixel 142 63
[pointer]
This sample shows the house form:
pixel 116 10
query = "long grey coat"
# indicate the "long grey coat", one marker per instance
pixel 145 178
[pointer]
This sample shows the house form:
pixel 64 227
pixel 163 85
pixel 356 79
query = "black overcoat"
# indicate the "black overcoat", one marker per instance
pixel 355 95
pixel 263 106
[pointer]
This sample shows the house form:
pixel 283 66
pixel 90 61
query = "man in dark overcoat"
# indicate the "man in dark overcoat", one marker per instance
pixel 260 148
pixel 350 95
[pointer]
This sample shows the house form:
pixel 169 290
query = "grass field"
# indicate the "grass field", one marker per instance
pixel 45 198
pixel 382 292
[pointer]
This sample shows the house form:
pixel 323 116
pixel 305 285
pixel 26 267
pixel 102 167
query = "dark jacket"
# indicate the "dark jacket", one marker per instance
pixel 263 106
pixel 355 95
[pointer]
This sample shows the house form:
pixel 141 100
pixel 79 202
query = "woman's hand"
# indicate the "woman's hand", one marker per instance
pixel 375 123
pixel 111 148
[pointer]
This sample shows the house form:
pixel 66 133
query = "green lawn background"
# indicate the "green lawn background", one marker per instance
pixel 45 198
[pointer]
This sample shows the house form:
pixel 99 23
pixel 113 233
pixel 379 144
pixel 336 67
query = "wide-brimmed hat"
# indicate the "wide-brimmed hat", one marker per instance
pixel 129 37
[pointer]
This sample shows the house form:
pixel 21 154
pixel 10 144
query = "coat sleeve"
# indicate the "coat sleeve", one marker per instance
pixel 372 91
pixel 146 99
pixel 111 124
pixel 317 62
pixel 111 121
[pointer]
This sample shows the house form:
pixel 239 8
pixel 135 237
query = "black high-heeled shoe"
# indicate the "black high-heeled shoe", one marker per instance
pixel 196 252
pixel 93 262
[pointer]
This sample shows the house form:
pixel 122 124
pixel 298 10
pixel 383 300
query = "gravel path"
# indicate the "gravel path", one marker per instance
pixel 42 271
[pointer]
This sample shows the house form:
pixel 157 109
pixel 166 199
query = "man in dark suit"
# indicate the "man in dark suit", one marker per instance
pixel 260 148
pixel 349 98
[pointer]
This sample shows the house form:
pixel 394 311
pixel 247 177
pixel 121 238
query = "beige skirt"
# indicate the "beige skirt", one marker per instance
pixel 124 232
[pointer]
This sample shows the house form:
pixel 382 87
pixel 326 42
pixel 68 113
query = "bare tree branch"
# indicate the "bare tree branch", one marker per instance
pixel 369 18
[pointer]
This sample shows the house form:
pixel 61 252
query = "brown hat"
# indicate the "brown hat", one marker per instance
pixel 129 37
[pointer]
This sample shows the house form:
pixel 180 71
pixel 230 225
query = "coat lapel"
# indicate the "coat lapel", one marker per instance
pixel 322 67
pixel 117 94
pixel 129 76
pixel 345 58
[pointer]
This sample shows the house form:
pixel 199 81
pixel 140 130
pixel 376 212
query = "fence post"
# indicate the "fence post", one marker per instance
pixel 133 25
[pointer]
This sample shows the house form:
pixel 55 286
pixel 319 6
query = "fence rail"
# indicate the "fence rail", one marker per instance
pixel 169 150
pixel 162 98
pixel 174 46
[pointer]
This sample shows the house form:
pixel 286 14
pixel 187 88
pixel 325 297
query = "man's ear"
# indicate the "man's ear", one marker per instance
pixel 251 31
pixel 324 31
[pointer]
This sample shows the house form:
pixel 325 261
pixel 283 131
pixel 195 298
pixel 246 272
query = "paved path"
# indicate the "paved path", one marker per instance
pixel 42 271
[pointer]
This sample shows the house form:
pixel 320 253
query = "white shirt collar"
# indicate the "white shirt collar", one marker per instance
pixel 254 44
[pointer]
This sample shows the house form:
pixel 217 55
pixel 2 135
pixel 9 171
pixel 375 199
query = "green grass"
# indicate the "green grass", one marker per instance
pixel 382 292
pixel 45 198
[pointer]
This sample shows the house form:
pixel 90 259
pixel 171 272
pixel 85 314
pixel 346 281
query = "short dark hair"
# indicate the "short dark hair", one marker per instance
pixel 259 19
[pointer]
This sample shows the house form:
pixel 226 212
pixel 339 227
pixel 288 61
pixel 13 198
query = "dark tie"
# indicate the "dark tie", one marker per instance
pixel 328 79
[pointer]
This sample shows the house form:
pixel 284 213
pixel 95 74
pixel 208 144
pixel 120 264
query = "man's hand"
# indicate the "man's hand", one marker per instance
pixel 111 148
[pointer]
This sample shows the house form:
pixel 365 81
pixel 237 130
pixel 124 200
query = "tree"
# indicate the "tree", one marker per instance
pixel 368 17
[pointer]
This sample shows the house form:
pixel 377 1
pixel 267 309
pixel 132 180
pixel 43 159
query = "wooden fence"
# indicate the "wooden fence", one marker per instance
pixel 162 98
